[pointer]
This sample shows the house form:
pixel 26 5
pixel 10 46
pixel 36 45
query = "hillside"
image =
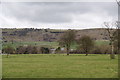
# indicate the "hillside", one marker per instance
pixel 30 34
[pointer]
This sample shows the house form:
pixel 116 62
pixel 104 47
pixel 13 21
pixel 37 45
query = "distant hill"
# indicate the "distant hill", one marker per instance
pixel 30 34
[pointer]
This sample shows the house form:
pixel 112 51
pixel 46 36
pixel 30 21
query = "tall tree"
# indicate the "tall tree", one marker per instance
pixel 118 2
pixel 117 40
pixel 118 31
pixel 112 28
pixel 67 39
pixel 86 43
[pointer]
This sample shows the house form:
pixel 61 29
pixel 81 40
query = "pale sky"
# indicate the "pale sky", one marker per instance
pixel 57 15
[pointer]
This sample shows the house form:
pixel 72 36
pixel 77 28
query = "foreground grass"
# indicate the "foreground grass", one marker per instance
pixel 59 66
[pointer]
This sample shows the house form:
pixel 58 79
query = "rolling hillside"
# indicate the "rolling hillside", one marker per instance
pixel 30 34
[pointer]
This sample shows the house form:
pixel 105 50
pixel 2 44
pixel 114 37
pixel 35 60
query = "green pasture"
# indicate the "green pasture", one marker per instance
pixel 49 44
pixel 17 44
pixel 59 66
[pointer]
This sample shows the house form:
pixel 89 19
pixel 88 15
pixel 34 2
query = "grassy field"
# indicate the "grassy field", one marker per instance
pixel 59 66
pixel 16 44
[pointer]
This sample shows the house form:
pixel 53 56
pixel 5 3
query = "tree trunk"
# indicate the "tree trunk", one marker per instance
pixel 67 51
pixel 7 55
pixel 86 54
pixel 112 55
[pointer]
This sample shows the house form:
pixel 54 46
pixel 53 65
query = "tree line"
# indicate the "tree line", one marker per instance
pixel 85 44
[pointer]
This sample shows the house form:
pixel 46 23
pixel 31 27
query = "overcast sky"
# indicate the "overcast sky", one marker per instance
pixel 57 15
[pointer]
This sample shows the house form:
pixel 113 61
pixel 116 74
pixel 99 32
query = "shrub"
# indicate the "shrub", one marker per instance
pixel 8 49
pixel 102 49
pixel 45 50
pixel 21 50
pixel 27 50
pixel 32 50
pixel 58 50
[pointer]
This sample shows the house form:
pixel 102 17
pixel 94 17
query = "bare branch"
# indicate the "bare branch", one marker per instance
pixel 108 28
pixel 118 2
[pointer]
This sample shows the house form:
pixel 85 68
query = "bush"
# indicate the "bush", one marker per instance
pixel 76 52
pixel 45 50
pixel 32 50
pixel 58 50
pixel 102 49
pixel 21 50
pixel 8 49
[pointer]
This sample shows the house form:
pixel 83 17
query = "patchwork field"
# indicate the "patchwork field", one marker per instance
pixel 59 66
pixel 49 44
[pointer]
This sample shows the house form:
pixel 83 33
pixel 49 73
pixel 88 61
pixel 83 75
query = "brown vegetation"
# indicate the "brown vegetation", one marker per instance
pixel 31 34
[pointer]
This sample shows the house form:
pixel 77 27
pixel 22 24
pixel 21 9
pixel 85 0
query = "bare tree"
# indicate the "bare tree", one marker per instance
pixel 118 2
pixel 86 43
pixel 111 28
pixel 67 39
pixel 118 31
pixel 117 37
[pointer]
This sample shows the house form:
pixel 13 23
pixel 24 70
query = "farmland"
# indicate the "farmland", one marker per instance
pixel 49 44
pixel 29 56
pixel 59 66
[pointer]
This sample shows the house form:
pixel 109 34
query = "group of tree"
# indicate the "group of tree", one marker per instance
pixel 113 30
pixel 69 37
pixel 86 43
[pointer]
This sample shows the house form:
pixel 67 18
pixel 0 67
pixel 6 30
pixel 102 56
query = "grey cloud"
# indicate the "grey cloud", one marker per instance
pixel 56 12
